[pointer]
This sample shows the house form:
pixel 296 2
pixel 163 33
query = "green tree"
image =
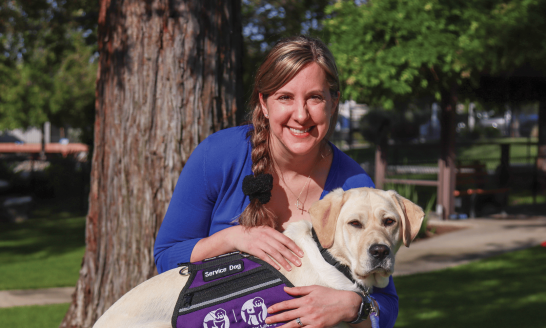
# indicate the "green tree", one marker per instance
pixel 45 44
pixel 72 101
pixel 394 49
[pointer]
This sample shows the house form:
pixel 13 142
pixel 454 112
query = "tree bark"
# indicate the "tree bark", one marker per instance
pixel 169 76
pixel 446 163
pixel 43 156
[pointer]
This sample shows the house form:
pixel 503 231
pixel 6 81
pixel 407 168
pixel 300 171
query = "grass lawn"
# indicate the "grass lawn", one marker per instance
pixel 508 290
pixel 46 316
pixel 45 251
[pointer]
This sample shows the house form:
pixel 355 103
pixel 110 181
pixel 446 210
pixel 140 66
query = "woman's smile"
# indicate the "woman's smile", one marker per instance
pixel 301 132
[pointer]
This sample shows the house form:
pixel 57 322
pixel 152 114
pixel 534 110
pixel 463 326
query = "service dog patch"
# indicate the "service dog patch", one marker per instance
pixel 223 270
pixel 232 291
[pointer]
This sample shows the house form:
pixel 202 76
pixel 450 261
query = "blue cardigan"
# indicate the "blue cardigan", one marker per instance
pixel 208 198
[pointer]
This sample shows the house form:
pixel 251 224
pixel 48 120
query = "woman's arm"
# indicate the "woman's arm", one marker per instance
pixel 263 242
pixel 188 217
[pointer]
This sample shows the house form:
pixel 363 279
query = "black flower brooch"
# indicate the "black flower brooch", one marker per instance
pixel 258 187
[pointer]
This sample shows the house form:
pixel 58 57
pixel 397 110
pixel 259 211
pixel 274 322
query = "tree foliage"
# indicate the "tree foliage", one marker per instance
pixel 47 52
pixel 393 49
pixel 265 22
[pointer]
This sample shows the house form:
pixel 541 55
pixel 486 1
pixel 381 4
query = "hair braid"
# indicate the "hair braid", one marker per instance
pixel 256 214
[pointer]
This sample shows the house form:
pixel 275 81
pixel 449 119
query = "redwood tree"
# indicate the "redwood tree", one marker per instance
pixel 169 75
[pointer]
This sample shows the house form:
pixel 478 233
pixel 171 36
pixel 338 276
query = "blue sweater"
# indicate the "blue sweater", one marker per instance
pixel 208 198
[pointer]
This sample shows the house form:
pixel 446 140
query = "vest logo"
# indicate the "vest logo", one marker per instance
pixel 223 270
pixel 254 312
pixel 216 319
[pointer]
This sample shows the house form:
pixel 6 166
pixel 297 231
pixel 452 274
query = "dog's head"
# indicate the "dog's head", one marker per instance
pixel 363 228
pixel 220 314
pixel 258 301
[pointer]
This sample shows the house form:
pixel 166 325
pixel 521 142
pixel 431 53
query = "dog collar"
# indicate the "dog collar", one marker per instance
pixel 366 307
pixel 335 263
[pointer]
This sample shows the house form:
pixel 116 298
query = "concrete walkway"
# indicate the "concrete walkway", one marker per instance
pixel 10 298
pixel 481 238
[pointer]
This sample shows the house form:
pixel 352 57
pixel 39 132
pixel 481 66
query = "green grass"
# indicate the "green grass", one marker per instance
pixel 524 197
pixel 45 251
pixel 503 291
pixel 45 316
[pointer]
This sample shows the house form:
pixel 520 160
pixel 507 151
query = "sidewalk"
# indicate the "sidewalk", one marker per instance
pixel 481 238
pixel 10 298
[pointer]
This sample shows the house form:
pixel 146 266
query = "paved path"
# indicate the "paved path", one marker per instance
pixel 480 238
pixel 9 298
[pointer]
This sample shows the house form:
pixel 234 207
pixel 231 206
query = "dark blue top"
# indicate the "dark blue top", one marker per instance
pixel 208 198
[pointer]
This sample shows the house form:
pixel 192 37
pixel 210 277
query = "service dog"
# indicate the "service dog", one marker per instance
pixel 361 228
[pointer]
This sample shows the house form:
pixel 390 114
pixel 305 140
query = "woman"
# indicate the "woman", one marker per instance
pixel 294 109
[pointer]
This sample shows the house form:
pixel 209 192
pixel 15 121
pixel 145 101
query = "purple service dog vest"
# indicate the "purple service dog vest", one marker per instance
pixel 229 291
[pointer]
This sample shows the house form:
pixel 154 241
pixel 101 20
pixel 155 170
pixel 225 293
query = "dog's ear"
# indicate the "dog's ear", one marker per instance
pixel 324 214
pixel 411 215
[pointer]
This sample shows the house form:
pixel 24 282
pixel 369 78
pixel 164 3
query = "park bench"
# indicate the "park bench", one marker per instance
pixel 476 187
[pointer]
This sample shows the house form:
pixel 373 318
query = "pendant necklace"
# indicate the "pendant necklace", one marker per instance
pixel 299 204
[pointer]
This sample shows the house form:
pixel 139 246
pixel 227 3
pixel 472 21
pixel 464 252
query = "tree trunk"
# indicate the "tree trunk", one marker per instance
pixel 43 156
pixel 169 76
pixel 541 156
pixel 446 164
pixel 380 165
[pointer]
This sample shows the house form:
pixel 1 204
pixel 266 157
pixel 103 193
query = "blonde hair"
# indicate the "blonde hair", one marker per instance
pixel 285 60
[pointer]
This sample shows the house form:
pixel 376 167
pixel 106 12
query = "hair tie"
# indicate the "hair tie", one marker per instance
pixel 258 187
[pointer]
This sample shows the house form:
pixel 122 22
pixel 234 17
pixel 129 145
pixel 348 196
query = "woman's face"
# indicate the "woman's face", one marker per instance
pixel 300 112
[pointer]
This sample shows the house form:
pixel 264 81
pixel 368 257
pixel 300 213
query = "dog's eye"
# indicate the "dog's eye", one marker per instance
pixel 356 224
pixel 388 222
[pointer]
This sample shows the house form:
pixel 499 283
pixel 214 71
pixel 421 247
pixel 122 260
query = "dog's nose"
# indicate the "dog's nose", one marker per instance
pixel 378 251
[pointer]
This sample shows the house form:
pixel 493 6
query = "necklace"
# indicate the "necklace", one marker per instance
pixel 299 204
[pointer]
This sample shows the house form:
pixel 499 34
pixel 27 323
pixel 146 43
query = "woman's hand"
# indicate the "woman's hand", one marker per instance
pixel 266 243
pixel 317 306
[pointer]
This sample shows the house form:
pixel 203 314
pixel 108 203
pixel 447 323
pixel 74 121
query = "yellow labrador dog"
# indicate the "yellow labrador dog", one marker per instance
pixel 361 228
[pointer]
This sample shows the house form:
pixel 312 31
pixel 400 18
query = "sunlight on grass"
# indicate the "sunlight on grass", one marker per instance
pixel 56 271
pixel 522 197
pixel 503 291
pixel 41 253
pixel 429 315
pixel 46 316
